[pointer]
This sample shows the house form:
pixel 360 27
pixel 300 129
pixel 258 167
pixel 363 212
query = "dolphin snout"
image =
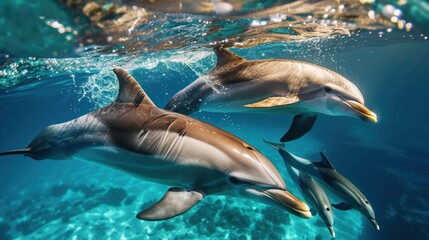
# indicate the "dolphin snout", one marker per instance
pixel 292 204
pixel 363 112
pixel 332 231
pixel 375 223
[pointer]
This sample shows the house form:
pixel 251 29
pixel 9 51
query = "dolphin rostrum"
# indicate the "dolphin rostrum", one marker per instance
pixel 272 86
pixel 194 158
pixel 326 175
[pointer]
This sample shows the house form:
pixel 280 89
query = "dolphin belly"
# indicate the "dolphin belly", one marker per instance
pixel 152 168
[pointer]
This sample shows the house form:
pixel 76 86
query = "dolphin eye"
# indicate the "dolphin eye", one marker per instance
pixel 327 89
pixel 366 201
pixel 328 209
pixel 249 147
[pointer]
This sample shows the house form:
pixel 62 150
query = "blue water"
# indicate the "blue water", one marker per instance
pixel 387 161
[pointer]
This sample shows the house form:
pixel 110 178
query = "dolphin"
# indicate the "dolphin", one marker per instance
pixel 315 196
pixel 325 173
pixel 272 86
pixel 194 158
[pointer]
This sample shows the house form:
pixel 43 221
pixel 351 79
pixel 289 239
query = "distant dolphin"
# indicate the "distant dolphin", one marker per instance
pixel 196 159
pixel 315 196
pixel 275 87
pixel 339 185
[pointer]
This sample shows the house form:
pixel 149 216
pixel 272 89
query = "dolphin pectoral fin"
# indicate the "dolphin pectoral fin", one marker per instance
pixel 301 124
pixel 273 102
pixel 129 89
pixel 342 206
pixel 175 202
pixel 313 211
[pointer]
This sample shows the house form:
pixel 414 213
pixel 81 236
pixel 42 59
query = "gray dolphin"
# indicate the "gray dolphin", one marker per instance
pixel 315 196
pixel 274 87
pixel 196 159
pixel 326 175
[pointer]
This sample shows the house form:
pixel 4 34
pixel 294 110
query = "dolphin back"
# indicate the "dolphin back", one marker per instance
pixel 75 134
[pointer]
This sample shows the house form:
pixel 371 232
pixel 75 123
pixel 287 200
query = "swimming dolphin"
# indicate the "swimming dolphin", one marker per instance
pixel 326 175
pixel 315 196
pixel 196 159
pixel 275 87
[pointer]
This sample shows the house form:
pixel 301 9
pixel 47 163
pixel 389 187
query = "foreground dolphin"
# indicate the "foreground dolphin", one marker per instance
pixel 339 185
pixel 315 196
pixel 272 86
pixel 196 159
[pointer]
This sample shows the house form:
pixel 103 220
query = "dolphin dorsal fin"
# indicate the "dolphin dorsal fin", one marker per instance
pixel 325 161
pixel 225 56
pixel 129 89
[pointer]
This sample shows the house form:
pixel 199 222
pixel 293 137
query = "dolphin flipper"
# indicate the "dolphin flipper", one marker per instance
pixel 301 124
pixel 175 202
pixel 272 102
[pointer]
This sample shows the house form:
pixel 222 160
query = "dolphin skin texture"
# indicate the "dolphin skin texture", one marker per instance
pixel 192 157
pixel 272 86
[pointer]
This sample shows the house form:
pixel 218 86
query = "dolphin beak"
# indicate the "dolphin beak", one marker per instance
pixel 332 231
pixel 375 224
pixel 363 112
pixel 289 201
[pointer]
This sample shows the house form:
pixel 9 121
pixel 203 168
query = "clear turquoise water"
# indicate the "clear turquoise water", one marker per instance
pixel 388 161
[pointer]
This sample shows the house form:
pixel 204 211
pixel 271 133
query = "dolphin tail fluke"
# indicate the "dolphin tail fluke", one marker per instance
pixel 16 152
pixel 301 124
pixel 175 202
pixel 277 146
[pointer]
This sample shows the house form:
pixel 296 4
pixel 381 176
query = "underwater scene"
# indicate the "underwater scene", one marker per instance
pixel 214 119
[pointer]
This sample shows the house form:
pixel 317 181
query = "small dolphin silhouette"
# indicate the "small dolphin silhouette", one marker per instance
pixel 274 87
pixel 326 175
pixel 196 159
pixel 315 196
